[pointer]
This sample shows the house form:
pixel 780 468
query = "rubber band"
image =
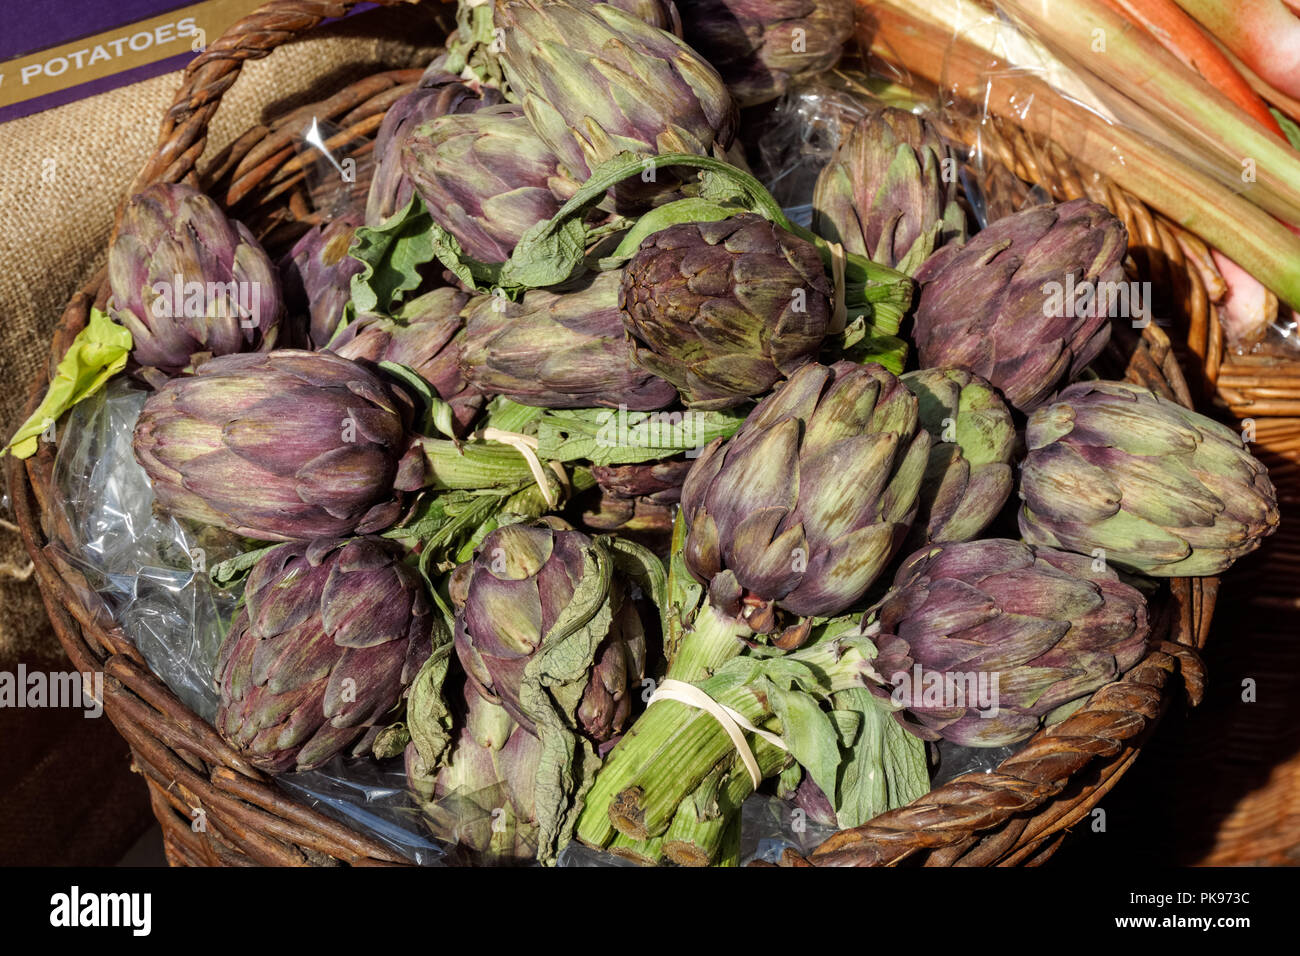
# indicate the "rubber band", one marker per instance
pixel 731 721
pixel 527 447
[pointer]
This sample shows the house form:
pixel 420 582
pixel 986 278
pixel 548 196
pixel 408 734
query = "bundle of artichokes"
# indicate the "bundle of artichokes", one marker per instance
pixel 571 322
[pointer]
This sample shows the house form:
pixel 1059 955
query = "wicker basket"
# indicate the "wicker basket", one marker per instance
pixel 1015 815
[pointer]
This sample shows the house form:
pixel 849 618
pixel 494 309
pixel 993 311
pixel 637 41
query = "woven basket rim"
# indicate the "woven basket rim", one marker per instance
pixel 1015 815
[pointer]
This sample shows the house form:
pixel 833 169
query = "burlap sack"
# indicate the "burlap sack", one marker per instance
pixel 66 795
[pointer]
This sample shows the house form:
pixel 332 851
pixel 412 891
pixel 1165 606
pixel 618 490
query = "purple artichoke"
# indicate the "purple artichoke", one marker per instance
pixel 1117 472
pixel 890 191
pixel 725 310
pixel 439 94
pixel 425 337
pixel 329 636
pixel 188 282
pixel 508 601
pixel 283 446
pixel 485 177
pixel 318 276
pixel 981 641
pixel 1002 305
pixel 597 81
pixel 562 348
pixel 761 46
pixel 805 505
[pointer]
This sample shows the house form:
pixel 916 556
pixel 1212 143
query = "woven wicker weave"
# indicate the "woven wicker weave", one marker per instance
pixel 1016 815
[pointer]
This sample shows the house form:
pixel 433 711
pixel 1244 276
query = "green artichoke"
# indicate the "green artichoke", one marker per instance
pixel 282 446
pixel 318 275
pixel 439 94
pixel 187 282
pixel 560 348
pixel 725 310
pixel 805 505
pixel 1118 472
pixel 425 337
pixel 981 641
pixel 486 178
pixel 509 599
pixel 597 81
pixel 761 46
pixel 329 636
pixel 968 478
pixel 992 306
pixel 890 191
pixel 483 797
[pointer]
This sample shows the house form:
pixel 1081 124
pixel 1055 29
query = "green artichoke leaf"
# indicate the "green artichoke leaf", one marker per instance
pixel 670 214
pixel 234 570
pixel 550 693
pixel 97 354
pixel 808 732
pixel 435 414
pixel 391 741
pixel 549 253
pixel 604 436
pixel 641 565
pixel 882 766
pixel 428 718
pixel 862 342
pixel 392 254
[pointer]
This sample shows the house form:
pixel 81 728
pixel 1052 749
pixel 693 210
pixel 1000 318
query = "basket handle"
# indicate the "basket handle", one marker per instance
pixel 184 132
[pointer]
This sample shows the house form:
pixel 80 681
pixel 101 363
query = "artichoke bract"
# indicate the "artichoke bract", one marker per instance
pixel 561 348
pixel 318 277
pixel 1004 305
pixel 284 446
pixel 981 640
pixel 439 94
pixel 483 796
pixel 968 477
pixel 1121 473
pixel 187 282
pixel 890 191
pixel 725 310
pixel 510 598
pixel 329 636
pixel 425 337
pixel 804 506
pixel 597 81
pixel 760 46
pixel 486 178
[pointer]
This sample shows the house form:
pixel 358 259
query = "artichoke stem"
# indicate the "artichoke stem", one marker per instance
pixel 714 639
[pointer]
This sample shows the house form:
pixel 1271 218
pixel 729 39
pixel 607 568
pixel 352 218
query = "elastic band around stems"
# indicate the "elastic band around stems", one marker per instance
pixel 527 447
pixel 840 307
pixel 731 721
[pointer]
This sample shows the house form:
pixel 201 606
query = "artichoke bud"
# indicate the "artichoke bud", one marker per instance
pixel 559 348
pixel 968 477
pixel 1027 302
pixel 330 635
pixel 981 641
pixel 725 310
pixel 286 445
pixel 529 586
pixel 890 191
pixel 189 283
pixel 597 81
pixel 761 47
pixel 318 277
pixel 806 504
pixel 1116 471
